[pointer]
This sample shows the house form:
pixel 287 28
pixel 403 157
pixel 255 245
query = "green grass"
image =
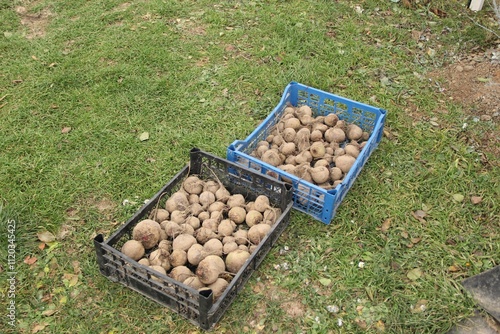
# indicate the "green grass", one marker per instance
pixel 202 74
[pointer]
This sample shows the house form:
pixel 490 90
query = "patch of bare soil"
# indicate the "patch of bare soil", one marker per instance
pixel 474 81
pixel 35 22
pixel 294 309
pixel 122 7
pixel 105 205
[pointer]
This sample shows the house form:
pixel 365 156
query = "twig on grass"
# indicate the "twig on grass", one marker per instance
pixel 496 10
pixel 480 25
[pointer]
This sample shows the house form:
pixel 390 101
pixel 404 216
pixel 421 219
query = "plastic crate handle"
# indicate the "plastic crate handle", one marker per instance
pixel 237 145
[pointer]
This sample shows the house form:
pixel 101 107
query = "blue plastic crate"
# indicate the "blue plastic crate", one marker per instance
pixel 319 203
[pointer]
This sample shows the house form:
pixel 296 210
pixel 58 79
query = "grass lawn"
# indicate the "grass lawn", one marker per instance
pixel 80 81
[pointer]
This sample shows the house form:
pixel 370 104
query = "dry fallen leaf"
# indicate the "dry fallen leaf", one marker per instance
pixel 420 306
pixel 76 267
pixel 415 240
pixel 458 197
pixel 42 245
pixel 414 274
pixel 419 215
pixel 49 312
pixel 476 199
pixel 70 279
pixel 46 237
pixel 388 134
pixel 385 225
pixel 257 288
pixel 144 136
pixel 395 265
pixel 407 4
pixel 361 323
pixel 380 326
pixel 66 129
pixel 30 260
pixel 453 268
pixel 39 327
pixel 64 231
pixel 325 281
pixel 438 12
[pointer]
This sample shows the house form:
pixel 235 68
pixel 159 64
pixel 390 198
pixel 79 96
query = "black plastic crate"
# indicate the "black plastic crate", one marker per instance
pixel 197 307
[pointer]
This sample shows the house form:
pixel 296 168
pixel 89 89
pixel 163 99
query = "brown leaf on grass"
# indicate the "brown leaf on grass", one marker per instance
pixel 42 245
pixel 420 306
pixel 29 260
pixel 46 236
pixel 39 327
pixel 476 199
pixel 453 268
pixel 361 323
pixel 438 12
pixel 385 225
pixel 47 297
pixel 331 33
pixel 70 280
pixel 66 129
pixel 415 240
pixel 257 288
pixel 395 265
pixel 380 326
pixel 407 4
pixel 76 267
pixel 419 215
pixel 64 231
pixel 230 48
pixel 71 212
pixel 49 312
pixel 388 134
pixel 415 34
